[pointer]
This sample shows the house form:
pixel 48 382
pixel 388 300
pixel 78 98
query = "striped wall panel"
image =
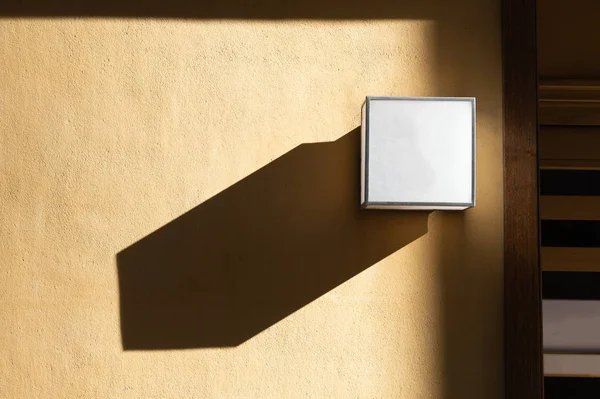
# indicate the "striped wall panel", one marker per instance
pixel 569 103
pixel 569 387
pixel 568 182
pixel 571 233
pixel 570 220
pixel 569 151
pixel 571 326
pixel 569 147
pixel 584 286
pixel 573 365
pixel 558 259
pixel 559 207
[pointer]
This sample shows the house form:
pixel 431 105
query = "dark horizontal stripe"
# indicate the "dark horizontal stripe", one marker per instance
pixel 569 182
pixel 570 233
pixel 571 285
pixel 571 388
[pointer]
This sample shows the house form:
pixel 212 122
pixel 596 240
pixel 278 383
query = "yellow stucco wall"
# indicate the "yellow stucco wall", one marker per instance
pixel 142 257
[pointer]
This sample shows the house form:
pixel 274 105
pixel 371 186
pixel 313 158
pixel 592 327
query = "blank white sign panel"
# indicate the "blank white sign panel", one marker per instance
pixel 419 153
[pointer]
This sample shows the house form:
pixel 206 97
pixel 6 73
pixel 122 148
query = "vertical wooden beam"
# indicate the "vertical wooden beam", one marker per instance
pixel 522 293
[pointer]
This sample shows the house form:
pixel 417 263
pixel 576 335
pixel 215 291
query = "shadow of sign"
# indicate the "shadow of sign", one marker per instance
pixel 256 252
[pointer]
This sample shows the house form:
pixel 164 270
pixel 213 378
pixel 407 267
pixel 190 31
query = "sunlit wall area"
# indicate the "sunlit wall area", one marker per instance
pixel 180 214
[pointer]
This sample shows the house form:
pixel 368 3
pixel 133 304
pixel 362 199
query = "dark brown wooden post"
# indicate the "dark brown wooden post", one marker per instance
pixel 522 293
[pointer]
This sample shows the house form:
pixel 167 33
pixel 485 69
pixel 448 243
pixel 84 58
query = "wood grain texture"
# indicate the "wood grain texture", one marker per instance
pixel 522 292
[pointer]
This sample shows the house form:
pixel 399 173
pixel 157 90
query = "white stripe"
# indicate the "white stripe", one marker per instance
pixel 572 365
pixel 571 326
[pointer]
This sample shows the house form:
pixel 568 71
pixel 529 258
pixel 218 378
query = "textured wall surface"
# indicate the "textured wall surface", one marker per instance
pixel 166 230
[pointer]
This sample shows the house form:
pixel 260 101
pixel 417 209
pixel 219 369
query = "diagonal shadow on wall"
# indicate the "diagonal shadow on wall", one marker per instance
pixel 257 252
pixel 215 248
